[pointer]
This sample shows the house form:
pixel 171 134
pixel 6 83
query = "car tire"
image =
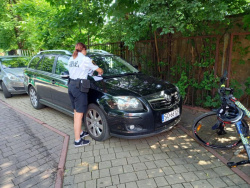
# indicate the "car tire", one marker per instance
pixel 6 93
pixel 34 99
pixel 96 123
pixel 1 87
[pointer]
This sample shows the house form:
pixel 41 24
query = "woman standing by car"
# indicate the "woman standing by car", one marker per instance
pixel 79 66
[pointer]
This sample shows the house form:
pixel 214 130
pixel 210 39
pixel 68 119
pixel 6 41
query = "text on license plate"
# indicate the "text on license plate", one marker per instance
pixel 170 115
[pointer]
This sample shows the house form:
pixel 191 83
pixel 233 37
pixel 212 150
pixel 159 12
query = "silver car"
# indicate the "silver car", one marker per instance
pixel 11 74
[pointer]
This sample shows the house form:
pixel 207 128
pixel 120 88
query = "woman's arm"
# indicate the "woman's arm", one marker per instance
pixel 100 71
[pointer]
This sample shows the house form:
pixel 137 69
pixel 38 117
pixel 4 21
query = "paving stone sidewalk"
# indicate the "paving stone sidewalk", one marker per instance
pixel 29 152
pixel 168 160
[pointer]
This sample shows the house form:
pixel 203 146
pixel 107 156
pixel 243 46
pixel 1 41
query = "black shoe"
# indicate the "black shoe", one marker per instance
pixel 84 134
pixel 82 142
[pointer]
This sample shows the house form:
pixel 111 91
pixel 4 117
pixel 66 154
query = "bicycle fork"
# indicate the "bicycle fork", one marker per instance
pixel 245 143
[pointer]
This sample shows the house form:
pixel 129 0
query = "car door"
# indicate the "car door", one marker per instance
pixel 31 72
pixel 1 72
pixel 60 87
pixel 44 77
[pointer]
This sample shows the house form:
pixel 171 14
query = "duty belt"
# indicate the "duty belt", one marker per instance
pixel 74 81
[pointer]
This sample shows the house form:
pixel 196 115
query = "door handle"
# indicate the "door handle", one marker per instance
pixel 53 81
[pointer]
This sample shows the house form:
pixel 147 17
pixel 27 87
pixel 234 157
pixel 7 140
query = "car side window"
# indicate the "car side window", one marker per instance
pixel 62 64
pixel 47 63
pixel 34 61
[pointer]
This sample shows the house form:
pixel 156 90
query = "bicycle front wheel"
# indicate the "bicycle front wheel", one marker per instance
pixel 211 132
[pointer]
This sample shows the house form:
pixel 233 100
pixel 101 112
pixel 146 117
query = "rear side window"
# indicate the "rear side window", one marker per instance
pixel 47 63
pixel 34 61
pixel 62 64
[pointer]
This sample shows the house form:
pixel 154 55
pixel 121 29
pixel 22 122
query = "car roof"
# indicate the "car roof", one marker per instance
pixel 66 52
pixel 58 52
pixel 97 52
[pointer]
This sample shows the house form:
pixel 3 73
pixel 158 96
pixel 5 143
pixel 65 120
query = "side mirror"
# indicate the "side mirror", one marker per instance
pixel 65 75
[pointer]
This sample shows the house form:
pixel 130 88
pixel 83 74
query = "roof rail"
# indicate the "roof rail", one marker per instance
pixel 66 52
pixel 97 51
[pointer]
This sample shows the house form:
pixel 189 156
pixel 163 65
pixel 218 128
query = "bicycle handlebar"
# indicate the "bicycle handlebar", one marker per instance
pixel 223 78
pixel 223 89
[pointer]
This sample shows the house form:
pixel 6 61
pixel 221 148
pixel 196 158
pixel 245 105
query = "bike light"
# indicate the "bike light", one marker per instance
pixel 199 127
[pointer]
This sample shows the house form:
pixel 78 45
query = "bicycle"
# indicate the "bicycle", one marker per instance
pixel 216 129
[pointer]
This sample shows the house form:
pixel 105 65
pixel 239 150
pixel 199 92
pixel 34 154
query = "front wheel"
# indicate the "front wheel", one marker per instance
pixel 96 123
pixel 34 99
pixel 211 132
pixel 6 93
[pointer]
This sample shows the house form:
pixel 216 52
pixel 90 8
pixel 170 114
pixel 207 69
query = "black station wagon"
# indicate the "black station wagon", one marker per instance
pixel 125 103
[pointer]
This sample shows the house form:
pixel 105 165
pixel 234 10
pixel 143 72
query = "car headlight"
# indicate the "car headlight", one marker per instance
pixel 125 103
pixel 12 77
pixel 177 89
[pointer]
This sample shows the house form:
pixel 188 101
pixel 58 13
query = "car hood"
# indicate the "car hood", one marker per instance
pixel 16 71
pixel 137 85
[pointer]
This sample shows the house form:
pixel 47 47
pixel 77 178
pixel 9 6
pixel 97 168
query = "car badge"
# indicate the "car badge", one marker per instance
pixel 158 86
pixel 167 98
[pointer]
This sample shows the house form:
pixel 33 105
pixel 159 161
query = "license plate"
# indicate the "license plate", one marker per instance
pixel 170 115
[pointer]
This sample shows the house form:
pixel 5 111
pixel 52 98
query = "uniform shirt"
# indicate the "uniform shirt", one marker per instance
pixel 80 67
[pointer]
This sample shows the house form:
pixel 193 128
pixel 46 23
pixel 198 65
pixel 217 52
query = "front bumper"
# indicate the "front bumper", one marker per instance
pixel 146 124
pixel 15 87
pixel 165 128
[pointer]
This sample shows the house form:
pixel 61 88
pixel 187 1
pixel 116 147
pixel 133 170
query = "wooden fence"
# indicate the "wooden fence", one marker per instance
pixel 193 58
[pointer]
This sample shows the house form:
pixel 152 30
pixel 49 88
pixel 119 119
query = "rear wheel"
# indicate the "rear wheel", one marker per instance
pixel 216 134
pixel 6 93
pixel 34 99
pixel 96 123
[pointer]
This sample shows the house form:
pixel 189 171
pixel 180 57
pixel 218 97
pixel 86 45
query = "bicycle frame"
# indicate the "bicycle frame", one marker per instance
pixel 242 108
pixel 244 139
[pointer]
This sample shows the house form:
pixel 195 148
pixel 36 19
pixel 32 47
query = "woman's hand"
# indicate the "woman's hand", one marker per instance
pixel 100 71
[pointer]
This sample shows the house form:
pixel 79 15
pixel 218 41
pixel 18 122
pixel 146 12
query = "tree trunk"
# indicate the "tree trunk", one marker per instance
pixel 157 54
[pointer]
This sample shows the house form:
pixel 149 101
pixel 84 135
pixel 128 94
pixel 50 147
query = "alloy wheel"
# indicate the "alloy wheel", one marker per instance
pixel 33 97
pixel 94 123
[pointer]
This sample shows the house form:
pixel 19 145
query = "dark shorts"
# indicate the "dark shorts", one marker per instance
pixel 79 100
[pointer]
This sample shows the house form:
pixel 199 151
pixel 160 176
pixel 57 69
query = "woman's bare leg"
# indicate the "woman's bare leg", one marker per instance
pixel 77 124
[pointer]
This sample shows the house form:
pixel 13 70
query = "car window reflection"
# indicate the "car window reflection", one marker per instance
pixel 113 65
pixel 15 62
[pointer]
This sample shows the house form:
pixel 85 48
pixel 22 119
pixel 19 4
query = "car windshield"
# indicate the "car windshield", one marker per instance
pixel 113 65
pixel 15 62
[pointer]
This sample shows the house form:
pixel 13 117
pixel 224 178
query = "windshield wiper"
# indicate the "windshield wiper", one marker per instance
pixel 130 73
pixel 112 76
pixel 119 75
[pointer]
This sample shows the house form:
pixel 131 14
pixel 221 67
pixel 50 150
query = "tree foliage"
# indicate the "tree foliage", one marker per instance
pixel 8 23
pixel 53 24
pixel 140 19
